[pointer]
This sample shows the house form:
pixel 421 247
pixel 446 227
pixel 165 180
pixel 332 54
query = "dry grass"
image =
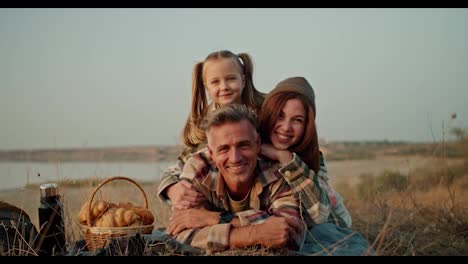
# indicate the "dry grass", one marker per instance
pixel 431 222
pixel 421 211
pixel 427 208
pixel 74 196
pixel 421 222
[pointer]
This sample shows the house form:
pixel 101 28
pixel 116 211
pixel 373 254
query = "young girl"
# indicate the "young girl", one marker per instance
pixel 226 78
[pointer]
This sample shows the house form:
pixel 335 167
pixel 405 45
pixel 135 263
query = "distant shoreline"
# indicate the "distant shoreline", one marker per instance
pixel 344 150
pixel 114 154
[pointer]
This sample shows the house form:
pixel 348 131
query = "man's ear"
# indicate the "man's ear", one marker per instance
pixel 258 141
pixel 210 150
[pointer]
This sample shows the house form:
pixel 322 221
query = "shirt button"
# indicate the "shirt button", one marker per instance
pixel 287 174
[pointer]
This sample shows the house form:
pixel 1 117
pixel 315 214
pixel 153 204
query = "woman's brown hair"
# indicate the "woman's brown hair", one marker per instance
pixel 307 147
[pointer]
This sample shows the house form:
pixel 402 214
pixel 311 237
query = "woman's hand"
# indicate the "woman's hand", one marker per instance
pixel 191 218
pixel 184 196
pixel 283 156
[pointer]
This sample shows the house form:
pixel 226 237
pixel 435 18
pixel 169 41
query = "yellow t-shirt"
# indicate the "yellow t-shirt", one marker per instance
pixel 239 206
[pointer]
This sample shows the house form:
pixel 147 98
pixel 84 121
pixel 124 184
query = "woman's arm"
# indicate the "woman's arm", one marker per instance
pixel 339 213
pixel 304 183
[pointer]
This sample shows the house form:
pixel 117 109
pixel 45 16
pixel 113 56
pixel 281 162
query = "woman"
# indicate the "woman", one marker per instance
pixel 289 135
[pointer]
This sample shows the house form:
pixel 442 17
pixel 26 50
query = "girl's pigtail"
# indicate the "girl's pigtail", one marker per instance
pixel 192 134
pixel 251 96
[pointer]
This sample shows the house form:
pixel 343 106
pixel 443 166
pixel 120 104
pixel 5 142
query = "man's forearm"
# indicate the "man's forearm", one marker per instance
pixel 243 236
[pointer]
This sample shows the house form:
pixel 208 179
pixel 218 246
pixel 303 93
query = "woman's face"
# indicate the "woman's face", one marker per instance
pixel 223 81
pixel 290 125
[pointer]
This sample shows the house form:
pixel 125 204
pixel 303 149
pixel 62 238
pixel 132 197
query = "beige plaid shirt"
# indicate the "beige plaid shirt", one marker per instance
pixel 270 195
pixel 319 200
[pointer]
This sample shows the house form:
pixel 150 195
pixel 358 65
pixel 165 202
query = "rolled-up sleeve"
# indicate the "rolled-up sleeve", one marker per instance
pixel 212 238
pixel 170 177
pixel 252 217
pixel 172 174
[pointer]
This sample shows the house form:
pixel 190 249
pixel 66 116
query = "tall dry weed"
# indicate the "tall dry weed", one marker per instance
pixel 427 208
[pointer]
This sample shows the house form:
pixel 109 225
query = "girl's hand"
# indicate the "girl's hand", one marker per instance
pixel 283 156
pixel 184 196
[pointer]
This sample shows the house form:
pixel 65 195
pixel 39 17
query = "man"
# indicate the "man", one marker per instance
pixel 249 203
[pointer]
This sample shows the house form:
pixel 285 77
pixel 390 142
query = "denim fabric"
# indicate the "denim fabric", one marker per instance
pixel 331 240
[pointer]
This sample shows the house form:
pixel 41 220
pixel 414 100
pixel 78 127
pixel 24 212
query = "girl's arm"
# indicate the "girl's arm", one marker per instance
pixel 181 194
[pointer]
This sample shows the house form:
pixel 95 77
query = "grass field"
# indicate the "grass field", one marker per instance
pixel 403 204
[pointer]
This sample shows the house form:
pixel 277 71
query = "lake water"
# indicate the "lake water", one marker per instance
pixel 18 174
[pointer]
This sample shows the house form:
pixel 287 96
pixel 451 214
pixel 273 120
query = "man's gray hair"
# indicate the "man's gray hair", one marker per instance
pixel 233 113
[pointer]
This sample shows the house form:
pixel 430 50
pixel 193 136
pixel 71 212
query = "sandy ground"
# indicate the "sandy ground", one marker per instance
pixel 350 170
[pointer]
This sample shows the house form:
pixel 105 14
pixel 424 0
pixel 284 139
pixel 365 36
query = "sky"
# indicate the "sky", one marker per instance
pixel 73 78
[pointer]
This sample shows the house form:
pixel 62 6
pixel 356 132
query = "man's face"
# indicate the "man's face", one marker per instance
pixel 234 148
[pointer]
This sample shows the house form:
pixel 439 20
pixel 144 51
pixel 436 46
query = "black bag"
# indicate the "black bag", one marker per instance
pixel 17 233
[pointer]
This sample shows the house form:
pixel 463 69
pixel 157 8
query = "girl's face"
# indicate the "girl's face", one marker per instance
pixel 223 81
pixel 289 126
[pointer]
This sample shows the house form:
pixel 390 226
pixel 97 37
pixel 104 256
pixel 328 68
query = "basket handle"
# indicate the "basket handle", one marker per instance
pixel 106 181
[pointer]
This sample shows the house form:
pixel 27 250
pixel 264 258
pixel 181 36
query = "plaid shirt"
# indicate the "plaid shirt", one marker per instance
pixel 320 203
pixel 171 175
pixel 270 195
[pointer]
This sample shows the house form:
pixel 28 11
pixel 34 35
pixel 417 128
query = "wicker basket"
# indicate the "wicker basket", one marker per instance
pixel 98 237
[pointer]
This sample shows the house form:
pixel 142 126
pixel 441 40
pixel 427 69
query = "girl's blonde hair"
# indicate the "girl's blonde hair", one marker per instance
pixel 193 133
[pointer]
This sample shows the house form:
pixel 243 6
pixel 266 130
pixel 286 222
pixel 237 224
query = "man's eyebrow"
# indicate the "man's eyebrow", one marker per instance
pixel 221 146
pixel 244 142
